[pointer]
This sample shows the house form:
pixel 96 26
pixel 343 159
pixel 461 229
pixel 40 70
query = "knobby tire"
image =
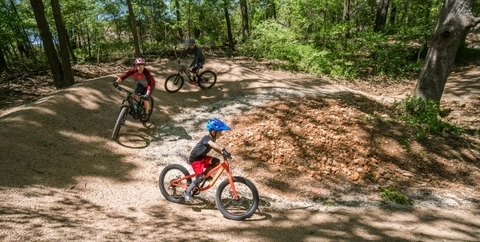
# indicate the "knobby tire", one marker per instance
pixel 207 79
pixel 173 83
pixel 169 173
pixel 120 119
pixel 242 208
pixel 152 104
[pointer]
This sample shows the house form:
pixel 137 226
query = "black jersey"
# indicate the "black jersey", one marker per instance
pixel 201 149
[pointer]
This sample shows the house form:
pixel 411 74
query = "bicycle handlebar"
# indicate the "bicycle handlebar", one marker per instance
pixel 226 155
pixel 129 92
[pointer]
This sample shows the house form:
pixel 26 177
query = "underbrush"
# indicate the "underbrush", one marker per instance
pixel 423 116
pixel 369 53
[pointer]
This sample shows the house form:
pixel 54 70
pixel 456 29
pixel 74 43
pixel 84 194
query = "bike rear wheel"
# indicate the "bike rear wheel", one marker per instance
pixel 168 174
pixel 122 116
pixel 207 79
pixel 173 83
pixel 246 204
pixel 152 104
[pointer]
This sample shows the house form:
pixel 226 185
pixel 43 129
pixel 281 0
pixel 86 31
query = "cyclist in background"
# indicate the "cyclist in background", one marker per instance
pixel 145 82
pixel 198 58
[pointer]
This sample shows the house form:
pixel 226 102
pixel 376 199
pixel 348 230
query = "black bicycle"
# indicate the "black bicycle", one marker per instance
pixel 132 104
pixel 205 79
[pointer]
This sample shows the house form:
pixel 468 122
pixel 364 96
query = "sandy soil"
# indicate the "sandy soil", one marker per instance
pixel 63 178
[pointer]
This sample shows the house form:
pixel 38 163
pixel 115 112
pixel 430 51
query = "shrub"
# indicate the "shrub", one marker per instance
pixel 423 116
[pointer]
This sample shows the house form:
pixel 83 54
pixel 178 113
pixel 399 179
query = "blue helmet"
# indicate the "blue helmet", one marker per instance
pixel 191 41
pixel 216 125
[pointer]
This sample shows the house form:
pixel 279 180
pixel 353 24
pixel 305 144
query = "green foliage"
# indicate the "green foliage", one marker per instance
pixel 423 116
pixel 370 51
pixel 394 195
pixel 270 40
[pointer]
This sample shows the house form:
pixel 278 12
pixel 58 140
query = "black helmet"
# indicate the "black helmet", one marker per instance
pixel 191 41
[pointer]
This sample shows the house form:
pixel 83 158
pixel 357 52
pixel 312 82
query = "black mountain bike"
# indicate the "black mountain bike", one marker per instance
pixel 205 79
pixel 131 106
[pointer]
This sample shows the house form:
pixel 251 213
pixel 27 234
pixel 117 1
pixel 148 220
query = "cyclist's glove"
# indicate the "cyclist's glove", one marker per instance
pixel 145 96
pixel 226 154
pixel 115 84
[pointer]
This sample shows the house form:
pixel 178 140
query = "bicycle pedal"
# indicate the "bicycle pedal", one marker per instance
pixel 196 191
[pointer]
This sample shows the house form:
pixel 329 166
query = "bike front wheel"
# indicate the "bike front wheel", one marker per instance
pixel 122 116
pixel 170 191
pixel 241 208
pixel 207 79
pixel 173 83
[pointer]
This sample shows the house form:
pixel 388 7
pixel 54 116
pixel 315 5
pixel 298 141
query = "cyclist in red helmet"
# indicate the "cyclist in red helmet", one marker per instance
pixel 199 160
pixel 198 57
pixel 143 78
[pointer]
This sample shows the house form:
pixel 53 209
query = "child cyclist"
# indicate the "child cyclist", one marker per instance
pixel 145 81
pixel 198 58
pixel 199 160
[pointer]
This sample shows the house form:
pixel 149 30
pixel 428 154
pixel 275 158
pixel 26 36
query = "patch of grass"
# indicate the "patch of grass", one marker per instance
pixel 394 195
pixel 325 201
pixel 406 143
pixel 422 115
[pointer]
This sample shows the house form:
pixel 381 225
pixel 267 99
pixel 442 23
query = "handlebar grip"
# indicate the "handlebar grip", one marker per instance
pixel 226 155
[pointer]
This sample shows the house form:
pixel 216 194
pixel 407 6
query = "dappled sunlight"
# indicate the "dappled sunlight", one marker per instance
pixel 82 137
pixel 19 121
pixel 62 177
pixel 348 144
pixel 41 110
pixel 90 101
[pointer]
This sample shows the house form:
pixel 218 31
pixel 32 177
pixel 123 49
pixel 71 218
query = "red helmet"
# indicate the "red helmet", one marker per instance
pixel 139 61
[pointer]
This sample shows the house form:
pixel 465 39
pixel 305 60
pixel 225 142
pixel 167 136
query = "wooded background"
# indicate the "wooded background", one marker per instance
pixel 339 38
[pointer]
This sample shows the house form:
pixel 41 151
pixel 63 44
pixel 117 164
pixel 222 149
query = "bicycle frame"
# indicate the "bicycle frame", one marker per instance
pixel 218 170
pixel 129 100
pixel 183 70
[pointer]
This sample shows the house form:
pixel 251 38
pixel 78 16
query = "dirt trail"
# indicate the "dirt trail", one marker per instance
pixel 62 178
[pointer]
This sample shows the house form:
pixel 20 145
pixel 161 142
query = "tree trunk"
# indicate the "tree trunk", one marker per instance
pixel 393 14
pixel 3 62
pixel 245 28
pixel 346 18
pixel 48 46
pixel 229 27
pixel 134 28
pixel 179 18
pixel 454 22
pixel 25 45
pixel 68 79
pixel 381 18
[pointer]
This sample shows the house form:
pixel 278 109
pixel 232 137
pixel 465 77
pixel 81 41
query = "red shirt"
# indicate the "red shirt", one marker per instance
pixel 145 78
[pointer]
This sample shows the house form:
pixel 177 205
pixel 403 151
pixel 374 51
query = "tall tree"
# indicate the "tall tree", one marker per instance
pixel 381 17
pixel 179 17
pixel 3 62
pixel 229 26
pixel 23 43
pixel 455 20
pixel 133 21
pixel 245 27
pixel 48 46
pixel 68 79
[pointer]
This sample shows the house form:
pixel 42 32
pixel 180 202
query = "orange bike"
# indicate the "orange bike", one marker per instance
pixel 236 197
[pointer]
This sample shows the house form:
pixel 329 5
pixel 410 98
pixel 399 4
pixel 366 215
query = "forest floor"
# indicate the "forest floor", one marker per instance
pixel 322 152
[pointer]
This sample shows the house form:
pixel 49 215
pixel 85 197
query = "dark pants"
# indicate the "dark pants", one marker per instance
pixel 197 65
